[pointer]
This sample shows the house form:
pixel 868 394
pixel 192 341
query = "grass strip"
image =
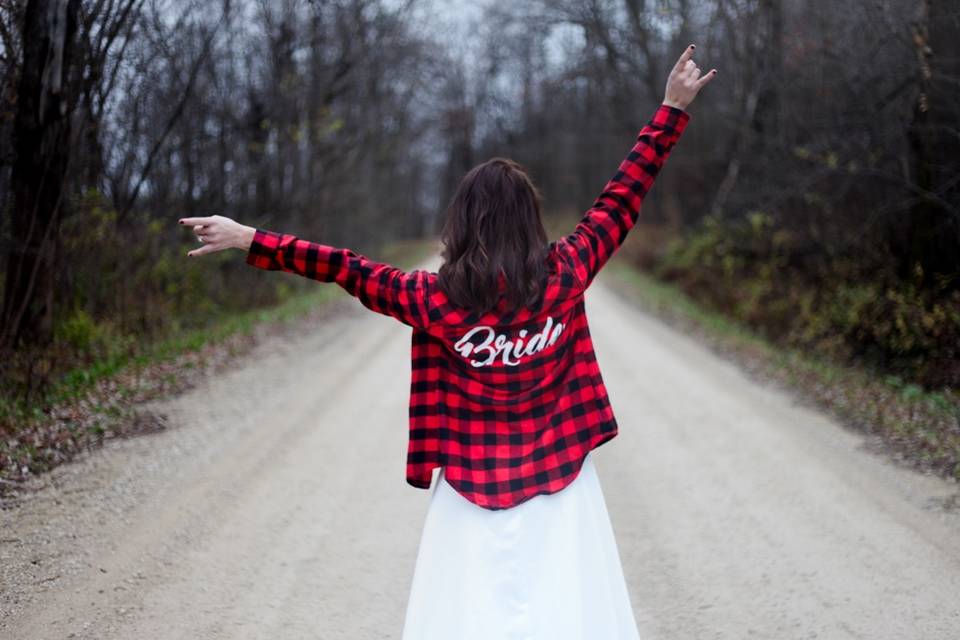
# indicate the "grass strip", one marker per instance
pixel 913 426
pixel 101 401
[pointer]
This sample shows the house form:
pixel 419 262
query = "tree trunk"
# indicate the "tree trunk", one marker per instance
pixel 39 175
pixel 934 225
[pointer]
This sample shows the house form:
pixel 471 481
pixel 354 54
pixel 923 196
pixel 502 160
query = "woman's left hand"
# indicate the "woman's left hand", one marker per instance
pixel 685 81
pixel 218 233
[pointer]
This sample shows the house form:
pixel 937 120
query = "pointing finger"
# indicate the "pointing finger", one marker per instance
pixel 200 220
pixel 686 55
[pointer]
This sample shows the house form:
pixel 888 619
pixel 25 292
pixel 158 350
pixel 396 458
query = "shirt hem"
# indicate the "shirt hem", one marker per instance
pixel 597 441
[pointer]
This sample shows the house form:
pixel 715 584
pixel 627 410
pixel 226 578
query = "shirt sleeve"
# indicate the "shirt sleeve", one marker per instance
pixel 605 225
pixel 380 287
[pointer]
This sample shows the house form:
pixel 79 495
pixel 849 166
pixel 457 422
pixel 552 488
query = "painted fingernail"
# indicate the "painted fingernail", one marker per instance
pixel 693 46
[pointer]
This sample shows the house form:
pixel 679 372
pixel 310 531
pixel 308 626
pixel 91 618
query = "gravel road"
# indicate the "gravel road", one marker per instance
pixel 274 506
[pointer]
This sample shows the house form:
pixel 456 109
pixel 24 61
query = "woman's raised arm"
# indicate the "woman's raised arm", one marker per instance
pixel 605 225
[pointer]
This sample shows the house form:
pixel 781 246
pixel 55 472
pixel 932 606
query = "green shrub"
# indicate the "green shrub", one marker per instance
pixel 78 331
pixel 845 308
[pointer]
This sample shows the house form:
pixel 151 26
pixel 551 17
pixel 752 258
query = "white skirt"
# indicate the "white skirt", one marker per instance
pixel 546 569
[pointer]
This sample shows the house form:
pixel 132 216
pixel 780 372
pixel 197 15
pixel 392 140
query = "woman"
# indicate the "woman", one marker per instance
pixel 506 398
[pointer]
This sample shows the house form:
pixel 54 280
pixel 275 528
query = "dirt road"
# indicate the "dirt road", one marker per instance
pixel 275 506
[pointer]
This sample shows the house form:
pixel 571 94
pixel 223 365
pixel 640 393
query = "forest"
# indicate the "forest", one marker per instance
pixel 815 197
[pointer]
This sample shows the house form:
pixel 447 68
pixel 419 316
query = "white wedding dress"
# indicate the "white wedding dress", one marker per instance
pixel 546 569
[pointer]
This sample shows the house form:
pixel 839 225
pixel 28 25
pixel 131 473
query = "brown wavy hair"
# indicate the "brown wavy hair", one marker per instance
pixel 493 226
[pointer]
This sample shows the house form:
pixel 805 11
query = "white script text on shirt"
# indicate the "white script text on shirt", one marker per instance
pixel 494 344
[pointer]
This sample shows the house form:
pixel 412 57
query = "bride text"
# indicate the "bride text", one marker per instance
pixel 494 344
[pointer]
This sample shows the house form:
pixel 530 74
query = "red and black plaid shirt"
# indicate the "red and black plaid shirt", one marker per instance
pixel 508 402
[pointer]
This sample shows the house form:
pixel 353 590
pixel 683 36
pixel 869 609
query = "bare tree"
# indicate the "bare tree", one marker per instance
pixel 42 157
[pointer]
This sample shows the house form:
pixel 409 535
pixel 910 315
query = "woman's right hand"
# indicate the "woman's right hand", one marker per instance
pixel 218 233
pixel 685 80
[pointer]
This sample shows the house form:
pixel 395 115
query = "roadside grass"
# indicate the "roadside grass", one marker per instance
pixel 913 426
pixel 91 404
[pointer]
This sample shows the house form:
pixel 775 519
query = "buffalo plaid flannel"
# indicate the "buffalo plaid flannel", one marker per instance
pixel 509 402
